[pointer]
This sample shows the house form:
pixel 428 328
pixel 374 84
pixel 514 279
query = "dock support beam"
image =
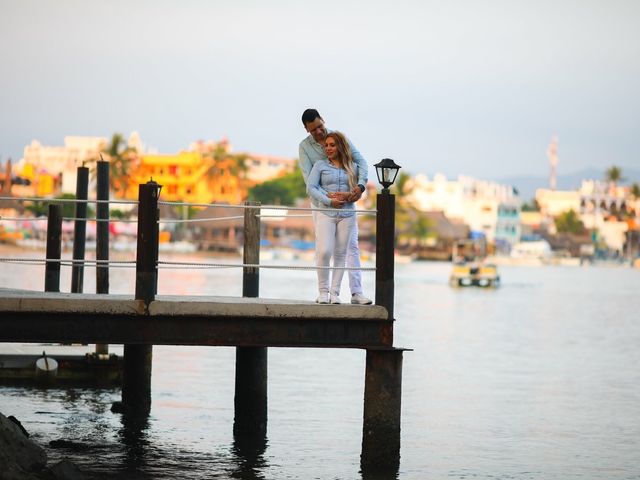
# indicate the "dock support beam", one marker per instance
pixel 382 398
pixel 136 381
pixel 250 401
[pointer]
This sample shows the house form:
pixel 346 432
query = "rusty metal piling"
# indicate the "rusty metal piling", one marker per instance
pixel 250 401
pixel 381 422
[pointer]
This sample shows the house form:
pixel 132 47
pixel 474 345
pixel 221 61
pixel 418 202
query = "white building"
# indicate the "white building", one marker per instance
pixel 63 160
pixel 596 203
pixel 261 168
pixel 599 200
pixel 487 207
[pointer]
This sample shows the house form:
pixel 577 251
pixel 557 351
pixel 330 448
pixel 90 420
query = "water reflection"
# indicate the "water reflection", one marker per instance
pixel 550 360
pixel 379 474
pixel 248 451
pixel 133 435
pixel 384 467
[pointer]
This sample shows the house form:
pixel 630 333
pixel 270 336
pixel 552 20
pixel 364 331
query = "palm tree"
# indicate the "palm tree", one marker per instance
pixel 237 162
pixel 613 175
pixel 120 158
pixel 403 186
pixel 635 190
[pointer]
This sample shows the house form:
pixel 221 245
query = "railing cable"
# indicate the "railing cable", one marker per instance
pixel 165 264
pixel 264 207
pixel 69 200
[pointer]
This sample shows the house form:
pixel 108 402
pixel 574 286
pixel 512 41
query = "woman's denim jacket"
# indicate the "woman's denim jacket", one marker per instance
pixel 324 177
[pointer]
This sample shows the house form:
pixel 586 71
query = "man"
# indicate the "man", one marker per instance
pixel 311 150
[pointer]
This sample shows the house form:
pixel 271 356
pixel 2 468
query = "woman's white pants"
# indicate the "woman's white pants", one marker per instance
pixel 332 238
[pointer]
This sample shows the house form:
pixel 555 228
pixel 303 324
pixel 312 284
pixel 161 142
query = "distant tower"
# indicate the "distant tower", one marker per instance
pixel 6 186
pixel 552 154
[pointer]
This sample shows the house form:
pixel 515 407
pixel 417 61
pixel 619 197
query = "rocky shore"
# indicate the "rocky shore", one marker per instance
pixel 23 459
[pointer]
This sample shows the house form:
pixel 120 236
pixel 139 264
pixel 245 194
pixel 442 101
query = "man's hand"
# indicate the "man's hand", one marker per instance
pixel 354 195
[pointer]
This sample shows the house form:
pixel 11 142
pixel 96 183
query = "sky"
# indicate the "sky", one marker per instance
pixel 474 87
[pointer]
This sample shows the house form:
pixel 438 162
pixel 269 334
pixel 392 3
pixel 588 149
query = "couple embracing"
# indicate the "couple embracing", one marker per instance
pixel 335 174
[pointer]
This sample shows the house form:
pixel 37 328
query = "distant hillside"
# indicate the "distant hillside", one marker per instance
pixel 527 185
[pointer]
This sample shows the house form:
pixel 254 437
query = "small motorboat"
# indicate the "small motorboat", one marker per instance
pixel 474 274
pixel 470 268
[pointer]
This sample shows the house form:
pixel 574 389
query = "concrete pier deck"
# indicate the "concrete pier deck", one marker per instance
pixel 30 316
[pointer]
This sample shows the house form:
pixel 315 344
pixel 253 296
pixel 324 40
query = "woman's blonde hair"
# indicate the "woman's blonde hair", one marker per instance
pixel 344 156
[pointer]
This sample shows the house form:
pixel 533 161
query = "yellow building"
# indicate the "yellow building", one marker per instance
pixel 190 177
pixel 41 183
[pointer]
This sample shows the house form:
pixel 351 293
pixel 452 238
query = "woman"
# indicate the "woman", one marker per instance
pixel 329 183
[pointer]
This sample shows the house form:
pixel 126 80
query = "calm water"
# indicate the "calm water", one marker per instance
pixel 538 379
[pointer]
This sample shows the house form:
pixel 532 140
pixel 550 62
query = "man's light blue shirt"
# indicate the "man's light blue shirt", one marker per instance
pixel 311 151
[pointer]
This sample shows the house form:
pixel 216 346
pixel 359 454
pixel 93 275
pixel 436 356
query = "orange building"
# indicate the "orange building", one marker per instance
pixel 190 177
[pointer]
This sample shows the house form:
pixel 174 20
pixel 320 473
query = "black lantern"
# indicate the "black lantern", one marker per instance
pixel 386 170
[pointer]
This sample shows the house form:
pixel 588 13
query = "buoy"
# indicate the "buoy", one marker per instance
pixel 46 367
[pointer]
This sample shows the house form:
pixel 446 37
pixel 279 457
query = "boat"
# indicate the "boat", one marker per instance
pixel 470 265
pixel 60 364
pixel 531 251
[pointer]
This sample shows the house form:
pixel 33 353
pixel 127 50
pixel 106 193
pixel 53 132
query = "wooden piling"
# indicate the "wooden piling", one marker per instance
pixel 381 423
pixel 54 249
pixel 250 399
pixel 102 227
pixel 385 238
pixel 102 236
pixel 136 381
pixel 80 230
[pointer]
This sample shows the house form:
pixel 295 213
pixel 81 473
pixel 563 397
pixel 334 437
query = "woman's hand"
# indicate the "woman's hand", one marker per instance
pixel 344 196
pixel 337 203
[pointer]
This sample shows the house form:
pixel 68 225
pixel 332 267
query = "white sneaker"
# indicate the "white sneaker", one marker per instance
pixel 359 299
pixel 323 298
pixel 335 299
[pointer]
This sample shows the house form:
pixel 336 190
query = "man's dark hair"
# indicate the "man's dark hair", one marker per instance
pixel 309 115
